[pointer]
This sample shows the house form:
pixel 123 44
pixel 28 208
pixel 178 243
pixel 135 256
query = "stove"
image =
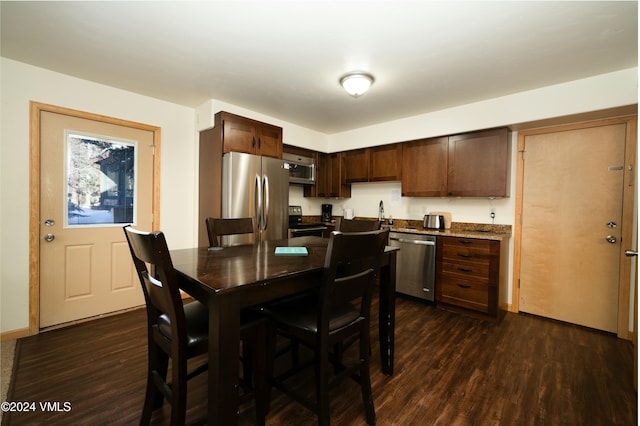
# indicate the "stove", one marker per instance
pixel 299 229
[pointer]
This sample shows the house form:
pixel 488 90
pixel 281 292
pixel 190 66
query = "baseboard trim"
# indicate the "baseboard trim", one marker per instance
pixel 14 334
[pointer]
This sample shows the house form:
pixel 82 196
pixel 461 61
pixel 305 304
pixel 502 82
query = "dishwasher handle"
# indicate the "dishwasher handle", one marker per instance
pixel 419 242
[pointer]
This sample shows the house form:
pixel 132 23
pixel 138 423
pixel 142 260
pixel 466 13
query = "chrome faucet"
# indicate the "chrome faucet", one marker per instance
pixel 381 211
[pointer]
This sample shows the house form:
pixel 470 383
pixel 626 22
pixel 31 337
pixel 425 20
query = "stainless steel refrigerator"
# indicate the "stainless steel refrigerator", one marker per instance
pixel 255 186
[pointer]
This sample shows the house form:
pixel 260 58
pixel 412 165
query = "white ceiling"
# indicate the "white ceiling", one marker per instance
pixel 284 58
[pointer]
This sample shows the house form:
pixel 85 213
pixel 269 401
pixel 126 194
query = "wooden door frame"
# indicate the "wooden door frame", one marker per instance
pixel 35 111
pixel 624 288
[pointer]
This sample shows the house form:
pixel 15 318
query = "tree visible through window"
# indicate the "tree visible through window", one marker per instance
pixel 100 180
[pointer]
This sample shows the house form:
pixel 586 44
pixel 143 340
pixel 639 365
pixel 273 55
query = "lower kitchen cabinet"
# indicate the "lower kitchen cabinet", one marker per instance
pixel 471 276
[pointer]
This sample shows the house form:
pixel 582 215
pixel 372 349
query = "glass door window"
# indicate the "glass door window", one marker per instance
pixel 100 180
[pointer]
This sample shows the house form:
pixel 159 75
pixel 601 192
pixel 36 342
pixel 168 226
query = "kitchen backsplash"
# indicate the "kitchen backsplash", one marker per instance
pixel 365 199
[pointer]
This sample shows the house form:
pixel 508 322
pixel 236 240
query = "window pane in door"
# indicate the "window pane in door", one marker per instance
pixel 101 180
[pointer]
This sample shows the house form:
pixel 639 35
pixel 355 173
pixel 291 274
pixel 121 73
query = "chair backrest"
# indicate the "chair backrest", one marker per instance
pixel 357 225
pixel 218 227
pixel 159 282
pixel 350 268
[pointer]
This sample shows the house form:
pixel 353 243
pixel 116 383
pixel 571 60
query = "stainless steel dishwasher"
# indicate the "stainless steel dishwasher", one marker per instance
pixel 416 264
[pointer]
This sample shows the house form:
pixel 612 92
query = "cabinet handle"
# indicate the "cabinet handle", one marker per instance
pixel 259 143
pixel 465 242
pixel 465 270
pixel 463 286
pixel 466 256
pixel 253 141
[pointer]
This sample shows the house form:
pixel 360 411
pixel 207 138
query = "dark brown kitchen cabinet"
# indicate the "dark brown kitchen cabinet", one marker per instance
pixel 385 162
pixel 478 164
pixel 466 165
pixel 471 276
pixel 302 152
pixel 378 163
pixel 331 169
pixel 240 134
pixel 356 165
pixel 424 167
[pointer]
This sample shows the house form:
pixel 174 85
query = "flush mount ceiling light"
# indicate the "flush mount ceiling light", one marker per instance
pixel 356 83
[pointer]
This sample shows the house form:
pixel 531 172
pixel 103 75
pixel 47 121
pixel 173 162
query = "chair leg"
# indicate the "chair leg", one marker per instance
pixel 178 393
pixel 338 350
pixel 271 345
pixel 295 352
pixel 158 363
pixel 322 386
pixel 150 398
pixel 367 396
pixel 259 364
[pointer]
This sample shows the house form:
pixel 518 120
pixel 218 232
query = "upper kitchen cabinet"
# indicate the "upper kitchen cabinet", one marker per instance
pixel 466 165
pixel 330 180
pixel 379 163
pixel 424 167
pixel 478 164
pixel 240 134
pixel 302 152
pixel 356 164
pixel 385 162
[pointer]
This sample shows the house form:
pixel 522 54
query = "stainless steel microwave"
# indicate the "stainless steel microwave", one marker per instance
pixel 301 169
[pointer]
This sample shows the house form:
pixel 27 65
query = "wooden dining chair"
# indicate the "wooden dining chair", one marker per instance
pixel 357 225
pixel 179 331
pixel 219 227
pixel 339 310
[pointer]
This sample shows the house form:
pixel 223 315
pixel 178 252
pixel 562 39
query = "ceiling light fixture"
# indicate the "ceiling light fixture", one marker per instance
pixel 356 83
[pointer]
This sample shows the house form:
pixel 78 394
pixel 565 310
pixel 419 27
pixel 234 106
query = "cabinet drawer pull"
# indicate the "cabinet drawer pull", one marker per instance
pixel 465 242
pixel 463 286
pixel 466 256
pixel 465 270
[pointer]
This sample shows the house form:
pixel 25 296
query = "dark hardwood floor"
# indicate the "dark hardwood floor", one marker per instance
pixel 450 370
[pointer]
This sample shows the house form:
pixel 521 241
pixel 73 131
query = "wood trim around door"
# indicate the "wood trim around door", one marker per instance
pixel 624 290
pixel 35 110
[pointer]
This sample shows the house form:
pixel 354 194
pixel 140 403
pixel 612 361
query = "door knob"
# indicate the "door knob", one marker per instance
pixel 611 239
pixel 49 237
pixel 630 253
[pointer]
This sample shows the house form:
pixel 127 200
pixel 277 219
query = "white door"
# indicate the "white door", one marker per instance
pixel 571 225
pixel 95 177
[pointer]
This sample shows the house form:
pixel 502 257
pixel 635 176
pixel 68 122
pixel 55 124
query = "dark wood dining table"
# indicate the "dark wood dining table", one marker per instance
pixel 232 278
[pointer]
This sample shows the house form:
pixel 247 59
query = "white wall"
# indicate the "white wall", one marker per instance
pixel 21 83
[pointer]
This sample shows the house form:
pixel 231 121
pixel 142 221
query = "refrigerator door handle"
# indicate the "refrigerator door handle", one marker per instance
pixel 265 198
pixel 258 202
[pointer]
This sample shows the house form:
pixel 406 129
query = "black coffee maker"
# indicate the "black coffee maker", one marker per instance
pixel 327 216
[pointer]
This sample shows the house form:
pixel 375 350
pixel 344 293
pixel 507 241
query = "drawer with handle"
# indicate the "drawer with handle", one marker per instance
pixel 467 249
pixel 466 294
pixel 467 270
